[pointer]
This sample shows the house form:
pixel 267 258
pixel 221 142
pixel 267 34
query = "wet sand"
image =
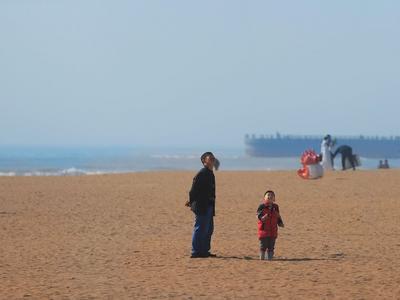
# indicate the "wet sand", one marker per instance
pixel 128 237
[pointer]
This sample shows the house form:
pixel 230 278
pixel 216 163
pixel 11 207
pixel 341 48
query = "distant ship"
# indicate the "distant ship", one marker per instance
pixel 294 145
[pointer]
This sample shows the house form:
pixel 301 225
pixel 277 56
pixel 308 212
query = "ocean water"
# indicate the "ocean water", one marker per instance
pixel 67 161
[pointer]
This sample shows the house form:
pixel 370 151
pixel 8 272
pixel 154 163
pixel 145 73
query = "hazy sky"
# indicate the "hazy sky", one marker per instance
pixel 197 73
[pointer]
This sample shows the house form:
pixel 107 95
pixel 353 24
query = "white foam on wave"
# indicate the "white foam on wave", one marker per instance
pixel 8 174
pixel 51 173
pixel 193 156
pixel 65 172
pixel 173 156
pixel 72 172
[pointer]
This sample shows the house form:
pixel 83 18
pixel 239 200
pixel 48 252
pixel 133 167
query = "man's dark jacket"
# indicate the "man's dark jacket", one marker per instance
pixel 202 193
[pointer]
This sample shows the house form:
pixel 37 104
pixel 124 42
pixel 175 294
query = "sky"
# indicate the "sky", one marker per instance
pixel 196 73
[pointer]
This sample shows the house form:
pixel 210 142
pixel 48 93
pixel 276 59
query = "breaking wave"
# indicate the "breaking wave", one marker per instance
pixel 64 172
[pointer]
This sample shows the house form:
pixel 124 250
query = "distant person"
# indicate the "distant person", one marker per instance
pixel 347 153
pixel 202 203
pixel 383 165
pixel 268 221
pixel 326 151
pixel 380 165
pixel 386 164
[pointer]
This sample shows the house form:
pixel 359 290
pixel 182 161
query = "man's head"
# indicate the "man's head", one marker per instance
pixel 208 159
pixel 269 197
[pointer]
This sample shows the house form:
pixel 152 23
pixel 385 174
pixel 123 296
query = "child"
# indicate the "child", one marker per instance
pixel 268 221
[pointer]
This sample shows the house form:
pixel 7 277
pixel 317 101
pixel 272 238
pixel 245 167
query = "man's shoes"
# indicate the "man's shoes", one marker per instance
pixel 203 255
pixel 197 256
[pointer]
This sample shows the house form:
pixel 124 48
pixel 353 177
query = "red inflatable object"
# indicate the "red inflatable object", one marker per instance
pixel 310 160
pixel 303 172
pixel 309 157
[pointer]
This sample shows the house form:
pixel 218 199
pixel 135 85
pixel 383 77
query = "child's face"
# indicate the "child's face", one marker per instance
pixel 269 198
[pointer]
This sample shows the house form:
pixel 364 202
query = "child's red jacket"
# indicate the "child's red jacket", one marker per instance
pixel 268 228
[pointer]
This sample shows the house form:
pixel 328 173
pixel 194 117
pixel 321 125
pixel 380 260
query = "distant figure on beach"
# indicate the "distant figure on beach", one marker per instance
pixel 383 165
pixel 386 164
pixel 380 165
pixel 268 221
pixel 202 203
pixel 326 151
pixel 347 153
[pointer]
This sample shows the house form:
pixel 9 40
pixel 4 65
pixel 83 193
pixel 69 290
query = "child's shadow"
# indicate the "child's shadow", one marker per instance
pixel 337 256
pixel 304 258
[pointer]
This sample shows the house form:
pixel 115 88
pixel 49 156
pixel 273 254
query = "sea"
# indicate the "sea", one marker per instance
pixel 74 161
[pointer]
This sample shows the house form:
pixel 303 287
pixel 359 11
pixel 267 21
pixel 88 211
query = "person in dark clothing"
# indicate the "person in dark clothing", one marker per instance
pixel 347 153
pixel 202 203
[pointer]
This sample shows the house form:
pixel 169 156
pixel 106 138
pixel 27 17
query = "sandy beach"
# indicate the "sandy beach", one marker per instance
pixel 129 237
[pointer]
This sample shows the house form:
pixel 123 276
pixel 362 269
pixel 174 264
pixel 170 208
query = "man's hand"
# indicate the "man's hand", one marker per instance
pixel 187 203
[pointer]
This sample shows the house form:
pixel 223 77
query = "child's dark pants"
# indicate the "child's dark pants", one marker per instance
pixel 268 243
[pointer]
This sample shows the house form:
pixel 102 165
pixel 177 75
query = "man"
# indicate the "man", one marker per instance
pixel 202 203
pixel 347 153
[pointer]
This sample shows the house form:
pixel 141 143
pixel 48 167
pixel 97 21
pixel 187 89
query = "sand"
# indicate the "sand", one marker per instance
pixel 129 237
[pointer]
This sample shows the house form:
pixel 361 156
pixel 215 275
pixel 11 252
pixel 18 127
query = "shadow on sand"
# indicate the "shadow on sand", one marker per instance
pixel 298 259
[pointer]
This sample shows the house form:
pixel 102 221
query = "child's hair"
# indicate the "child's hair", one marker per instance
pixel 269 191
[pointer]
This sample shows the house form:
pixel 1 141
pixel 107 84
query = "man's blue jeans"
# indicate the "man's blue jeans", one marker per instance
pixel 202 232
